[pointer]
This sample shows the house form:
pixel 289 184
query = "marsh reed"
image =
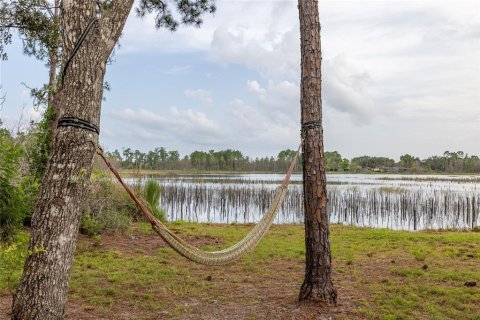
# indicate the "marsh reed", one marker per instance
pixel 396 208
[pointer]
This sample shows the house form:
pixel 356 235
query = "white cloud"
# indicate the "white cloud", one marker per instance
pixel 255 129
pixel 203 95
pixel 388 66
pixel 279 100
pixel 346 89
pixel 275 55
pixel 188 126
pixel 176 70
pixel 254 87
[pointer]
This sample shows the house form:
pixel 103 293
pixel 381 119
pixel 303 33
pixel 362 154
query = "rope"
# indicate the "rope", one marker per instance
pixel 215 258
pixel 82 37
pixel 190 252
pixel 212 258
pixel 77 46
pixel 77 123
pixel 310 125
pixel 68 121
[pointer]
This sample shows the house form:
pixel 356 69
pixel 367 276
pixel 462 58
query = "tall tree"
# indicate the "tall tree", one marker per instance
pixel 317 284
pixel 42 292
pixel 37 23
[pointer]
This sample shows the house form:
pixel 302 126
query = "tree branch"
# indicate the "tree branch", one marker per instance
pixel 112 22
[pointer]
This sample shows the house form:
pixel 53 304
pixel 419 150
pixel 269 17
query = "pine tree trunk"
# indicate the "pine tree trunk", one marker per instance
pixel 42 293
pixel 317 284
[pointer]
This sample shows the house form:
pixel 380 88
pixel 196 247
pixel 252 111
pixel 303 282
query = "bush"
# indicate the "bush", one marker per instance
pixel 152 197
pixel 108 205
pixel 12 256
pixel 16 195
pixel 109 208
pixel 40 145
pixel 30 187
pixel 90 226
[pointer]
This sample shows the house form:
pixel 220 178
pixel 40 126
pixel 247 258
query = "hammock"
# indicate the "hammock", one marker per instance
pixel 211 258
pixel 215 258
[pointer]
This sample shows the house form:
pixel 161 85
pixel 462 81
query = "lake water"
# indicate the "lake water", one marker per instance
pixel 409 202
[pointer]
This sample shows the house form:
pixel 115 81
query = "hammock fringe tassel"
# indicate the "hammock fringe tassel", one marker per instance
pixel 211 258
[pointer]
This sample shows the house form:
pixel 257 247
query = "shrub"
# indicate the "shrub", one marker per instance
pixel 16 195
pixel 109 208
pixel 108 205
pixel 152 197
pixel 40 145
pixel 30 187
pixel 90 226
pixel 12 256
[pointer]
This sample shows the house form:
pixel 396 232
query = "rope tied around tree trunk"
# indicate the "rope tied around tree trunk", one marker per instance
pixel 82 38
pixel 310 125
pixel 214 258
pixel 190 252
pixel 78 123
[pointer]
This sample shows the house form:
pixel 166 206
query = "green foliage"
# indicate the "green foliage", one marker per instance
pixel 223 160
pixel 233 160
pixel 152 192
pixel 453 162
pixel 107 207
pixel 41 146
pixel 90 226
pixel 407 160
pixel 345 164
pixel 211 160
pixel 12 256
pixel 333 160
pixel 152 196
pixel 35 24
pixel 29 187
pixel 16 195
pixel 368 162
pixel 190 12
pixel 385 278
pixel 286 155
pixel 38 22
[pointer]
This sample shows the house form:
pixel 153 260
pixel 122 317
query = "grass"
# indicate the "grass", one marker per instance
pixel 380 274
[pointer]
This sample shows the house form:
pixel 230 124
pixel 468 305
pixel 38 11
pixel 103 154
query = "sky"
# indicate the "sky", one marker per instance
pixel 397 77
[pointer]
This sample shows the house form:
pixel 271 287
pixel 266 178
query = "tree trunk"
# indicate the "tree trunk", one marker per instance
pixel 52 81
pixel 318 284
pixel 42 293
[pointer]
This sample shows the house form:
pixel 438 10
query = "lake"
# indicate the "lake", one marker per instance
pixel 410 202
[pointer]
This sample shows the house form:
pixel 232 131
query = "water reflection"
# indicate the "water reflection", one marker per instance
pixel 410 202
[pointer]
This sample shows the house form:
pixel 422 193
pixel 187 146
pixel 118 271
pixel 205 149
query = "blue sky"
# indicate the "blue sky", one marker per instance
pixel 398 77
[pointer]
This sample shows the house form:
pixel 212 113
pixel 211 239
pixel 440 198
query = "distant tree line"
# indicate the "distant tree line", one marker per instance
pixel 449 162
pixel 223 160
pixel 234 160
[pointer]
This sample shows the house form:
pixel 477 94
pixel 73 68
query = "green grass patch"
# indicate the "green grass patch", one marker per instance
pixel 388 274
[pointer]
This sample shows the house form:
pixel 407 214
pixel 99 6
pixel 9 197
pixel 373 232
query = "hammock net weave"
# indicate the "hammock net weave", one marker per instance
pixel 211 258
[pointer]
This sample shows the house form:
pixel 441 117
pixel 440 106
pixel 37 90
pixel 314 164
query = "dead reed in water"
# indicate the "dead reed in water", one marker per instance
pixel 395 208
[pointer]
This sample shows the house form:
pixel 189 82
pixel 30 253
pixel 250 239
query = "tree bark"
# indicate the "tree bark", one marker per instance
pixel 52 81
pixel 42 293
pixel 317 284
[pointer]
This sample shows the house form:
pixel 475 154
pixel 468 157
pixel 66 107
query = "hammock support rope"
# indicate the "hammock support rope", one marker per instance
pixel 211 258
pixel 215 258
